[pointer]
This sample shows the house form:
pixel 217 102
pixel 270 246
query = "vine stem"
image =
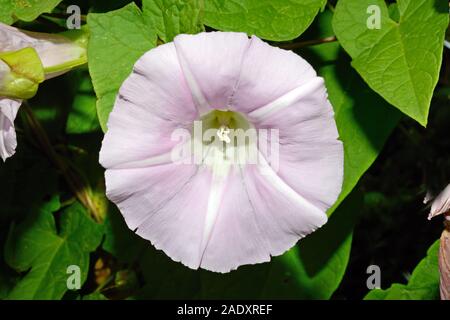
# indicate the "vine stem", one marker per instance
pixel 81 191
pixel 62 16
pixel 302 44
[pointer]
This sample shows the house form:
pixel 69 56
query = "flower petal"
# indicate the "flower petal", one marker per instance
pixel 244 217
pixel 267 73
pixel 441 204
pixel 444 263
pixel 166 205
pixel 310 155
pixel 314 170
pixel 8 141
pixel 140 191
pixel 4 71
pixel 53 49
pixel 152 103
pixel 211 62
pixel 259 217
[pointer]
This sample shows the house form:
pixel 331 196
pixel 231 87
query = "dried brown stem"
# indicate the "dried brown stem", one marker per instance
pixel 81 190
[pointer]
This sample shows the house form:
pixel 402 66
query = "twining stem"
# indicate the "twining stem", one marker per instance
pixel 302 44
pixel 63 7
pixel 81 191
pixel 63 16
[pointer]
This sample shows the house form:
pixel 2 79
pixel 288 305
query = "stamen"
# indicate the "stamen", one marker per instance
pixel 222 133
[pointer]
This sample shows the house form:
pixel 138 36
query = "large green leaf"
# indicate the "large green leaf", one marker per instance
pixel 401 60
pixel 272 20
pixel 6 11
pixel 26 10
pixel 172 17
pixel 44 250
pixel 423 284
pixel 118 39
pixel 27 180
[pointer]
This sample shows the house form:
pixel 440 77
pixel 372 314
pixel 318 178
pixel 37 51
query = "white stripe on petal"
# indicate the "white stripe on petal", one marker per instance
pixel 287 100
pixel 220 172
pixel 212 63
pixel 271 176
pixel 197 95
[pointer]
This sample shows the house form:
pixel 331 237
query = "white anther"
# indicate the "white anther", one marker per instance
pixel 222 133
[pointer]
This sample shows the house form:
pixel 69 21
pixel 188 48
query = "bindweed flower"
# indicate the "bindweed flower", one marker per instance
pixel 26 60
pixel 441 204
pixel 444 262
pixel 8 112
pixel 59 53
pixel 210 208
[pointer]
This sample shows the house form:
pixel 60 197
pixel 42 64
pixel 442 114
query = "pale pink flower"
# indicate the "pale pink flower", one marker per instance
pixel 441 204
pixel 58 55
pixel 219 216
pixel 8 112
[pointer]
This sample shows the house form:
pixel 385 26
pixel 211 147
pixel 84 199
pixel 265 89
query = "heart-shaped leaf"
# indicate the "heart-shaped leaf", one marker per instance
pixel 399 60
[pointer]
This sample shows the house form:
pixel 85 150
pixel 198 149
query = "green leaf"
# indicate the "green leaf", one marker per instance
pixel 44 253
pixel 94 296
pixel 82 116
pixel 400 61
pixel 119 240
pixel 118 39
pixel 7 9
pixel 26 10
pixel 272 20
pixel 423 284
pixel 172 17
pixel 26 181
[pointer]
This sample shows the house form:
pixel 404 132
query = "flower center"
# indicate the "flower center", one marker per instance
pixel 225 136
pixel 223 121
pixel 225 129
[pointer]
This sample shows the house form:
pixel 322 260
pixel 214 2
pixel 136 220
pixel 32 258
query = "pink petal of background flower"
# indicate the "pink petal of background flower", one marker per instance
pixel 53 49
pixel 441 204
pixel 8 112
